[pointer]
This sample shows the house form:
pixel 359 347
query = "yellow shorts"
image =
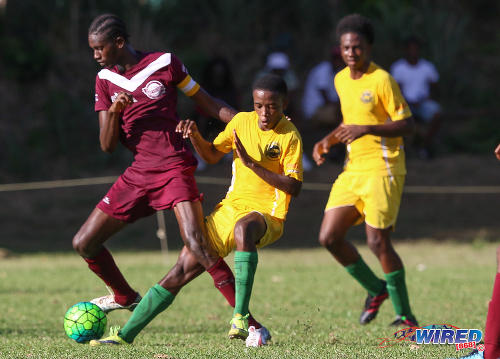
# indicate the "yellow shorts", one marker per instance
pixel 376 198
pixel 220 227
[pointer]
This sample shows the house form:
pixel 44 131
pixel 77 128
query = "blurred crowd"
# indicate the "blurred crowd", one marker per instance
pixel 314 106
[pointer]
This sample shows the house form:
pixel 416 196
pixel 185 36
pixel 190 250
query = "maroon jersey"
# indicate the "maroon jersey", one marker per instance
pixel 147 126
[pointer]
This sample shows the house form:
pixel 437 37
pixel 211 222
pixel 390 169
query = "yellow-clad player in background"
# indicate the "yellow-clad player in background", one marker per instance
pixel 375 117
pixel 267 172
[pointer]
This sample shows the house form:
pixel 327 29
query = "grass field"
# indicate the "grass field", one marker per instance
pixel 308 302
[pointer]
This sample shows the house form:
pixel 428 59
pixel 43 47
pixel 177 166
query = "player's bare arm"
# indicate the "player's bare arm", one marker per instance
pixel 215 107
pixel 284 183
pixel 205 149
pixel 323 146
pixel 348 133
pixel 109 122
pixel 497 151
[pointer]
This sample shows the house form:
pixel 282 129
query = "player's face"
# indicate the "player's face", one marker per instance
pixel 269 106
pixel 355 50
pixel 105 51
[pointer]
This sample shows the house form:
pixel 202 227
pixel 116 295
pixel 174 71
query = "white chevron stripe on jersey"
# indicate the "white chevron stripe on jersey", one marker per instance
pixel 132 84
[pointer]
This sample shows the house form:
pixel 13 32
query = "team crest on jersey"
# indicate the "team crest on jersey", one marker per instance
pixel 272 151
pixel 366 96
pixel 154 89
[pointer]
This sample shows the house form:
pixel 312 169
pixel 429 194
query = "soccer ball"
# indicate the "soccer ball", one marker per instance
pixel 84 321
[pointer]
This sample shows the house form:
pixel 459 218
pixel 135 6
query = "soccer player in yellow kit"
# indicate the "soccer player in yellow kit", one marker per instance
pixel 375 117
pixel 267 172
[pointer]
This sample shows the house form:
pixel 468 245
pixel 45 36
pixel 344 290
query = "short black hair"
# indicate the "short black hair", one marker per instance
pixel 273 83
pixel 358 24
pixel 110 26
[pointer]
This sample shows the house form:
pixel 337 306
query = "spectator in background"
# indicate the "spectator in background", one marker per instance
pixel 418 78
pixel 217 78
pixel 279 63
pixel 320 102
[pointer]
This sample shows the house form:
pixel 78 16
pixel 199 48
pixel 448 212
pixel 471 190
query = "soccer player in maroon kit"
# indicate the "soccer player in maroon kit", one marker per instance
pixel 136 101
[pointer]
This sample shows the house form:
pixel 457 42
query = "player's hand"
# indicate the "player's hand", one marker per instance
pixel 241 152
pixel 320 148
pixel 348 133
pixel 187 128
pixel 121 101
pixel 497 151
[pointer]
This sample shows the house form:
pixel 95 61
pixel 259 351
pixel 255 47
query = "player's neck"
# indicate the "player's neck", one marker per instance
pixel 358 72
pixel 130 58
pixel 412 60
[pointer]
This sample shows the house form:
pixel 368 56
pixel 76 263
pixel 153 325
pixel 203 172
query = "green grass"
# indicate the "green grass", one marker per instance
pixel 308 302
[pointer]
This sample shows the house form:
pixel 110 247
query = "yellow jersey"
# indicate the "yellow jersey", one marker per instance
pixel 278 150
pixel 373 99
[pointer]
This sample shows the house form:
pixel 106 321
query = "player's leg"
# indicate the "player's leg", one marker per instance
pixel 193 230
pixel 492 330
pixel 336 222
pixel 224 281
pixel 88 242
pixel 159 297
pixel 190 218
pixel 191 226
pixel 247 232
pixel 379 242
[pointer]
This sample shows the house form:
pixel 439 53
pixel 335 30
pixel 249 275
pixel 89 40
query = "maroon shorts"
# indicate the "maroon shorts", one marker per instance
pixel 141 192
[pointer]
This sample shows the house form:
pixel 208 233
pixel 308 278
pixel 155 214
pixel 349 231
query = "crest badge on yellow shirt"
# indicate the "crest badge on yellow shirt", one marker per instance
pixel 367 96
pixel 272 151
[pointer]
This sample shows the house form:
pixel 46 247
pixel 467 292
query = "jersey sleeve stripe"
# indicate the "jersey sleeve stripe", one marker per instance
pixel 188 86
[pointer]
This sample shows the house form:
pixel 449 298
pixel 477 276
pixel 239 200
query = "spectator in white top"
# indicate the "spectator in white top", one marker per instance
pixel 418 79
pixel 320 102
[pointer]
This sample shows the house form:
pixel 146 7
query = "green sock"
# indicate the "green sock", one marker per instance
pixel 156 300
pixel 245 265
pixel 364 275
pixel 396 286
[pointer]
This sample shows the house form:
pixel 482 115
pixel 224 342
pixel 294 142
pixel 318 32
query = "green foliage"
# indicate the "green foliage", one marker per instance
pixel 478 135
pixel 306 299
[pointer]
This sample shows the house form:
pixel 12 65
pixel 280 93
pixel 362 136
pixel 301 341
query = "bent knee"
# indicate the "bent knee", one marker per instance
pixel 378 244
pixel 248 233
pixel 78 244
pixel 330 239
pixel 84 246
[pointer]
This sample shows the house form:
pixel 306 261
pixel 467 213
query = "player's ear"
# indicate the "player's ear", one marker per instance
pixel 120 42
